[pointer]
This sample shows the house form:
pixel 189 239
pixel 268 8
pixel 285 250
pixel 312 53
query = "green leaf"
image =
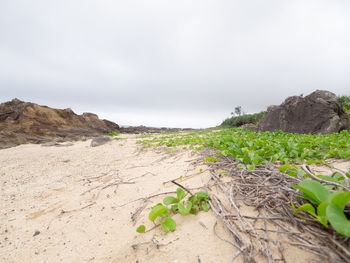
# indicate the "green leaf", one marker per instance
pixel 157 211
pixel 328 178
pixel 241 166
pixel 338 220
pixel 180 193
pixel 308 208
pixel 174 208
pixel 185 210
pixel 182 209
pixel 329 187
pixel 165 213
pixel 321 213
pixel 335 213
pixel 291 170
pixel 338 177
pixel 293 206
pixel 203 195
pixel 205 207
pixel 251 167
pixel 169 224
pixel 170 200
pixel 194 210
pixel 340 199
pixel 141 229
pixel 211 159
pixel 313 191
pixel 246 159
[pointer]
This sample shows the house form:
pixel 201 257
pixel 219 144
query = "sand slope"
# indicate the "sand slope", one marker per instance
pixel 75 195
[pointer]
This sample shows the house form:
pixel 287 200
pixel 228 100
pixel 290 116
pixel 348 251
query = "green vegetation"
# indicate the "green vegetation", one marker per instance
pixel 211 159
pixel 240 120
pixel 345 102
pixel 253 148
pixel 330 206
pixel 161 212
pixel 112 133
pixel 327 199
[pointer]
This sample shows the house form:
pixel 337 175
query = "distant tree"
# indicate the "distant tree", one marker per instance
pixel 238 110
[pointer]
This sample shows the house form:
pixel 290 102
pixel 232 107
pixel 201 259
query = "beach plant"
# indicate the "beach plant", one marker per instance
pixel 251 148
pixel 161 213
pixel 328 202
pixel 325 206
pixel 211 159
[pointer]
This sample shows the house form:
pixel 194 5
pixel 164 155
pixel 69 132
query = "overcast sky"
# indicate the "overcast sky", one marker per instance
pixel 171 63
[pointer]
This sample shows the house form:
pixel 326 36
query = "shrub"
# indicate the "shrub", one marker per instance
pixel 238 121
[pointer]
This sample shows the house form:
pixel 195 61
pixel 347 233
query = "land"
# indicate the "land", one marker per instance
pixel 76 203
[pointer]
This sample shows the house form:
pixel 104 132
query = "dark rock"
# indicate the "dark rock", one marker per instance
pixel 319 112
pixel 36 233
pixel 99 141
pixel 25 122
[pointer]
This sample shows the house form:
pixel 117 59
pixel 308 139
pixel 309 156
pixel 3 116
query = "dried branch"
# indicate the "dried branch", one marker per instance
pixel 269 192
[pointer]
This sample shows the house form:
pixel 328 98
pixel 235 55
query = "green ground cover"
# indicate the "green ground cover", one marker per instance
pixel 253 148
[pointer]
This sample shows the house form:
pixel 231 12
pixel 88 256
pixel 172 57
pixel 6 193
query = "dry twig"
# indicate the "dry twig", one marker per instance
pixel 269 192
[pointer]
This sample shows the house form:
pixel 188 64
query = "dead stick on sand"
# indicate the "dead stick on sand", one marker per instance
pixel 145 198
pixel 188 191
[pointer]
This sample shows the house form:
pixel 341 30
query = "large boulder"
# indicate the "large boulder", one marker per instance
pixel 319 112
pixel 25 122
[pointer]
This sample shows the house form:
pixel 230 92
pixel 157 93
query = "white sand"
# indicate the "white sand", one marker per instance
pixel 70 195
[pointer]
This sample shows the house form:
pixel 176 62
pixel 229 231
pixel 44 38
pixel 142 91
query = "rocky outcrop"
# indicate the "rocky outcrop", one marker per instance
pixel 25 122
pixel 319 112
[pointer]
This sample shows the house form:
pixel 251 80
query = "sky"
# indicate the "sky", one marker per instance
pixel 168 63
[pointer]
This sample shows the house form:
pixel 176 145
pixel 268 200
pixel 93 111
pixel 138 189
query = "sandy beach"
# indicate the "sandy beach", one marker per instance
pixel 76 203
